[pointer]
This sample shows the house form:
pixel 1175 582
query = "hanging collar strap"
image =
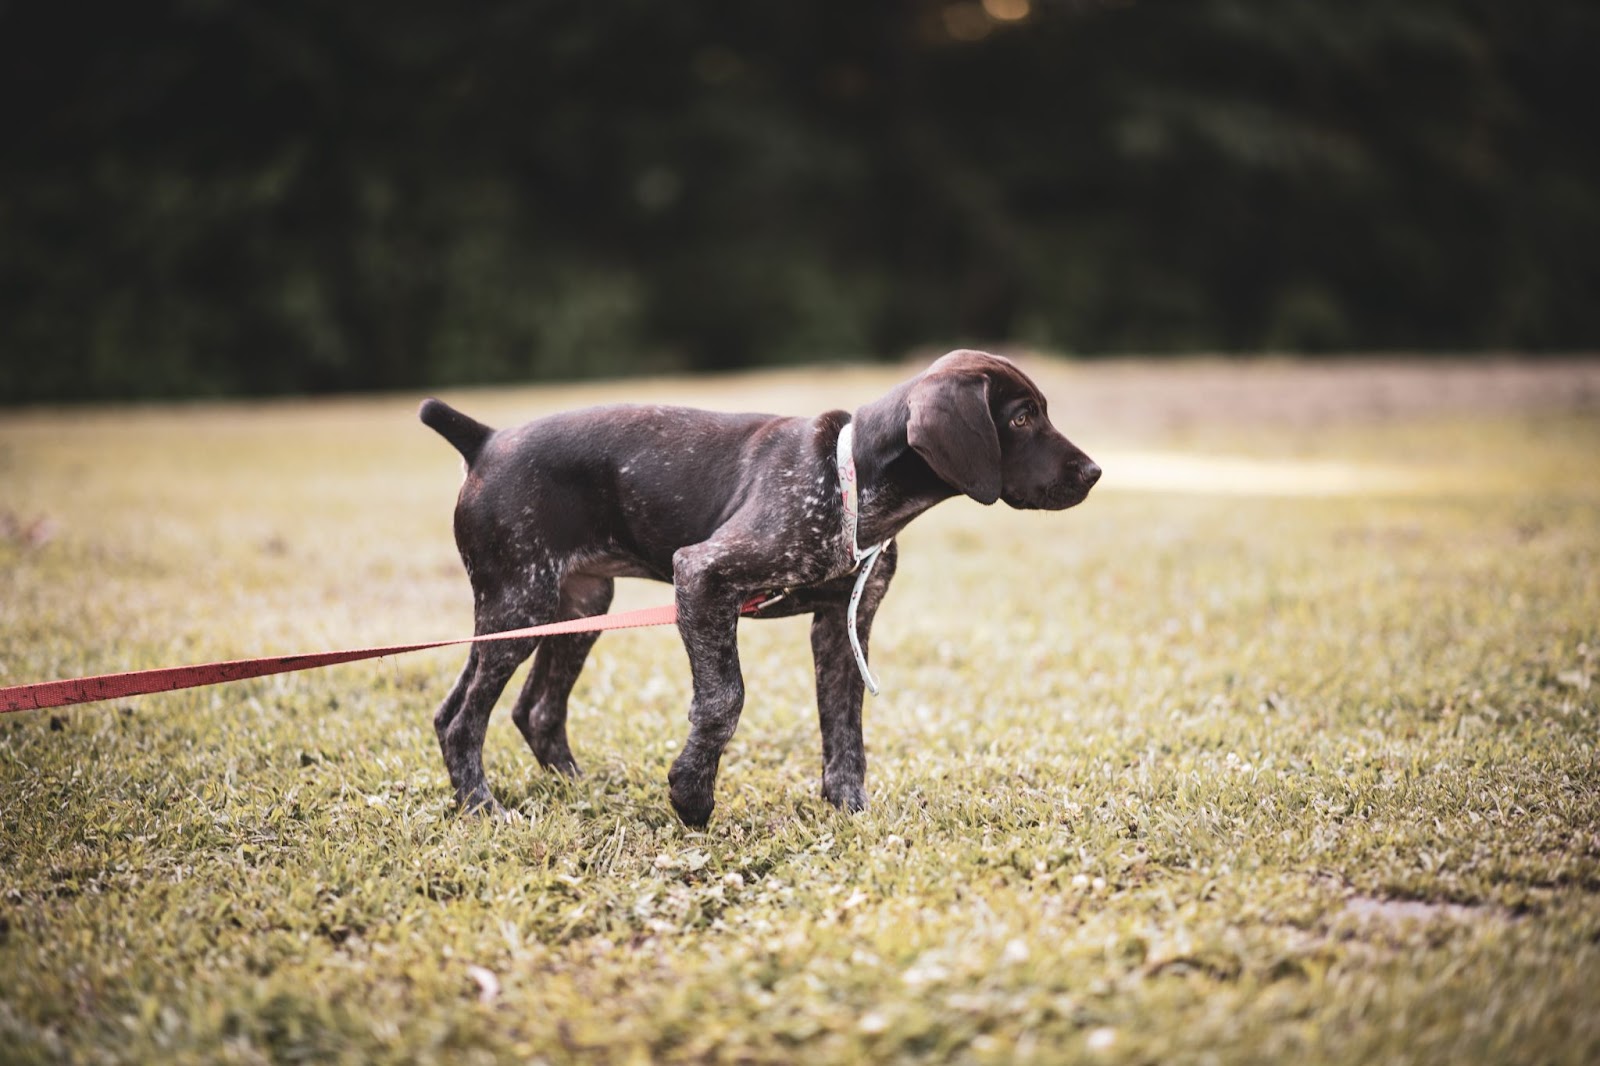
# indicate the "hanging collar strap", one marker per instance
pixel 861 559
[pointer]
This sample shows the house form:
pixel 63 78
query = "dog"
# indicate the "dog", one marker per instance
pixel 729 509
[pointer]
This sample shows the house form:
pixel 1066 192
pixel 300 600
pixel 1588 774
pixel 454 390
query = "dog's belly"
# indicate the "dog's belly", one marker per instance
pixel 617 563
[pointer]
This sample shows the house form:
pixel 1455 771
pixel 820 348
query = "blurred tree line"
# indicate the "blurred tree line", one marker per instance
pixel 259 196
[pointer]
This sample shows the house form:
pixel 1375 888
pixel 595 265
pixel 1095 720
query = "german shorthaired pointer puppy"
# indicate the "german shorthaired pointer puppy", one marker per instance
pixel 726 507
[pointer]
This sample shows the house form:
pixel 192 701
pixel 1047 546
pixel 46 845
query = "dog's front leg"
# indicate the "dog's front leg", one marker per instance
pixel 708 622
pixel 840 689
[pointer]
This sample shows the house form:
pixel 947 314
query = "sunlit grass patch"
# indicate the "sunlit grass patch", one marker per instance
pixel 1232 475
pixel 1186 773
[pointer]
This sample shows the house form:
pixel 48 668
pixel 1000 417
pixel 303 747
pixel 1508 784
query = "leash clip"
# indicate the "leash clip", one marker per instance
pixel 763 601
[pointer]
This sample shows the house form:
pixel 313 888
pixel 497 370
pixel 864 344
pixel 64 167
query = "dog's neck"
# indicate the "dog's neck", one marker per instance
pixel 896 484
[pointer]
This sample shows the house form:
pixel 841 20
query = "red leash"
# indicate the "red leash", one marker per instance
pixel 166 679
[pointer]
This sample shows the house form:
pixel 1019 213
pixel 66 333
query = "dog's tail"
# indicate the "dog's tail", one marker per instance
pixel 466 434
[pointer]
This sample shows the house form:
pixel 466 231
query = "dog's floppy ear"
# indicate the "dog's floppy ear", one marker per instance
pixel 950 426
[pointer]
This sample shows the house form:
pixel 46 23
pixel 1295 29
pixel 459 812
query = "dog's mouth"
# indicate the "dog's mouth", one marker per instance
pixel 1068 492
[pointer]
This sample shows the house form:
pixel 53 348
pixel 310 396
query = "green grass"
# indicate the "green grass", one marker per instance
pixel 1227 776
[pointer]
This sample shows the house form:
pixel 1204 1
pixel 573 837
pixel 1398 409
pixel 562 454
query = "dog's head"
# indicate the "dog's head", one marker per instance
pixel 985 430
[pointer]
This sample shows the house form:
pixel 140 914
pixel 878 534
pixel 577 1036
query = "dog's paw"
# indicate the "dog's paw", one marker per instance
pixel 481 804
pixel 500 815
pixel 553 753
pixel 693 805
pixel 690 787
pixel 850 797
pixel 567 767
pixel 694 813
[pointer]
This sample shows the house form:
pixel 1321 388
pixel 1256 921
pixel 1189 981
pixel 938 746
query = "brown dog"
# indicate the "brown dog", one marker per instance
pixel 726 507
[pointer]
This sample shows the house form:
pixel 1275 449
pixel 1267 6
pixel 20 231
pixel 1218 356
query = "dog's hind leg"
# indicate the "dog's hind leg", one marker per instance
pixel 463 718
pixel 458 693
pixel 541 708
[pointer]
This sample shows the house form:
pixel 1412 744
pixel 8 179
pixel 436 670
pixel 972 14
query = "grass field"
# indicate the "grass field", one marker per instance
pixel 1280 748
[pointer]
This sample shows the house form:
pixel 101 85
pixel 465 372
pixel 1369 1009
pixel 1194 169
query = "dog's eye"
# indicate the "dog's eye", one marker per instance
pixel 1020 419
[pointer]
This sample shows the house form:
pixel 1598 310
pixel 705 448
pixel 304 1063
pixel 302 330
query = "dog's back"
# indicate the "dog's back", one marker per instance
pixel 618 488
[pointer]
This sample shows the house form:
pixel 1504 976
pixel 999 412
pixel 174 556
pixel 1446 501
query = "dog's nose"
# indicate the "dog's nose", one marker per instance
pixel 1091 474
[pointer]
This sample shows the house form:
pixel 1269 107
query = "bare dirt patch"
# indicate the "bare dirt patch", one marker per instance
pixel 1370 910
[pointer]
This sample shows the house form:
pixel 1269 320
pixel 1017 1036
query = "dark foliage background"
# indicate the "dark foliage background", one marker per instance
pixel 223 196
